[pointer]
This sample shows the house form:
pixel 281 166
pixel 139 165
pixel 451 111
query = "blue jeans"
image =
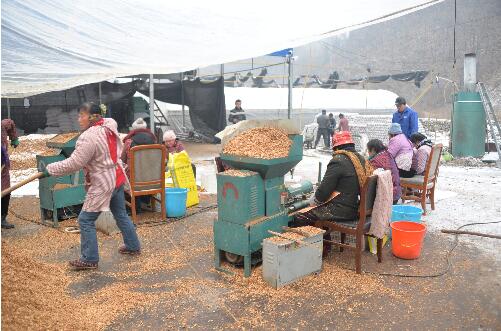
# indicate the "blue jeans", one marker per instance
pixel 87 222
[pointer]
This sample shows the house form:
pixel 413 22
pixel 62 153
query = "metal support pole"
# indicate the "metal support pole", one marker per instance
pixel 289 108
pixel 8 108
pixel 182 100
pixel 100 94
pixel 152 104
pixel 319 180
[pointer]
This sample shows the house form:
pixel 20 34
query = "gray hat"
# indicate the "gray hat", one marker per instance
pixel 395 129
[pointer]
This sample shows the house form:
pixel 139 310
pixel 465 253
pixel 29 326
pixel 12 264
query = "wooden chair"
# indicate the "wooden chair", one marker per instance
pixel 357 228
pixel 147 175
pixel 418 188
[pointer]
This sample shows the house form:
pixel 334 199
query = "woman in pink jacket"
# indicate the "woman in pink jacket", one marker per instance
pixel 401 150
pixel 97 152
pixel 422 152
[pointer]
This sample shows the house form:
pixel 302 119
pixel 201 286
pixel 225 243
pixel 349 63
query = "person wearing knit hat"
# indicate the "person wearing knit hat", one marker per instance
pixel 401 150
pixel 172 144
pixel 139 124
pixel 139 135
pixel 395 129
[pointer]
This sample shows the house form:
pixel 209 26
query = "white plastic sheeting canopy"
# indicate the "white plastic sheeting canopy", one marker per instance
pixel 57 44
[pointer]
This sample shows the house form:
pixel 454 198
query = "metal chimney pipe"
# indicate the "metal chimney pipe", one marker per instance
pixel 470 72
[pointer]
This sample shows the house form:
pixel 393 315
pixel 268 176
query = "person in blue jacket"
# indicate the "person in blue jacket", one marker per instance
pixel 406 117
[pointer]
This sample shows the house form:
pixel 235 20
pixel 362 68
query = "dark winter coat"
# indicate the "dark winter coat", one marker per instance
pixel 323 121
pixel 236 115
pixel 332 124
pixel 341 177
pixel 135 138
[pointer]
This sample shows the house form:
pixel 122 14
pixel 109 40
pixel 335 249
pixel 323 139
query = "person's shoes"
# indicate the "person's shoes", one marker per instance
pixel 5 224
pixel 78 265
pixel 124 250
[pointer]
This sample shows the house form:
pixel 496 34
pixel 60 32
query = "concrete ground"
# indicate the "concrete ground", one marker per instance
pixel 173 284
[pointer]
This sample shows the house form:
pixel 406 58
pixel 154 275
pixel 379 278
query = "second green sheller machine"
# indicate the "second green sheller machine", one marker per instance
pixel 254 200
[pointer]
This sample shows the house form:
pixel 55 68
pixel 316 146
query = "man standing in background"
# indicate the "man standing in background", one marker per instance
pixel 406 117
pixel 237 114
pixel 332 125
pixel 343 123
pixel 323 129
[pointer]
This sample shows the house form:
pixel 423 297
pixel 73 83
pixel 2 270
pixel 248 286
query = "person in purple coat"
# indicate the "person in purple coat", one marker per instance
pixel 379 157
pixel 401 149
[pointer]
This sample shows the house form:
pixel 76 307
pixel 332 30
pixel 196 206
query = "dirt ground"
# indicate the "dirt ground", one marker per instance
pixel 173 284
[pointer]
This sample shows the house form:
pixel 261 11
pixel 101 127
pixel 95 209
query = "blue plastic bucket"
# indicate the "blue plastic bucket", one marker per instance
pixel 405 213
pixel 175 201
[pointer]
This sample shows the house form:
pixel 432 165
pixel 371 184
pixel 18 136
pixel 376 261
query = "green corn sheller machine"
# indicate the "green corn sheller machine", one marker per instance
pixel 58 193
pixel 249 206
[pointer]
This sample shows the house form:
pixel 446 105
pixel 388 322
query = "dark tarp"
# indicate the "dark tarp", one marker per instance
pixel 258 81
pixel 29 113
pixel 378 79
pixel 205 100
pixel 307 81
pixel 239 81
pixel 246 77
pixel 73 97
pixel 207 105
pixel 331 82
pixel 416 76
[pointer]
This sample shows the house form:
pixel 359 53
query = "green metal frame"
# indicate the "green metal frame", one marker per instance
pixel 245 239
pixel 50 199
pixel 245 219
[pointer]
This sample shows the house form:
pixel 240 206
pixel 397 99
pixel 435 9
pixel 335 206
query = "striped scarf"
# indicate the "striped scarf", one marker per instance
pixel 362 171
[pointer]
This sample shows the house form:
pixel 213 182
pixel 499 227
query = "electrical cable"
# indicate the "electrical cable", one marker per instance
pixel 448 256
pixel 142 224
pixel 47 224
pixel 152 223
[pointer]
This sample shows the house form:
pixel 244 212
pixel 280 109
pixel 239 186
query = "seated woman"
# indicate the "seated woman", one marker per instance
pixel 139 135
pixel 421 154
pixel 346 173
pixel 173 145
pixel 379 157
pixel 400 148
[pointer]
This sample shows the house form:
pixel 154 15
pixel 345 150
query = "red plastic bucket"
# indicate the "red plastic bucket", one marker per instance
pixel 407 239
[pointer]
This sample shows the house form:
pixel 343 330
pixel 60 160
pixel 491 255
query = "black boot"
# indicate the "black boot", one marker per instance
pixel 5 224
